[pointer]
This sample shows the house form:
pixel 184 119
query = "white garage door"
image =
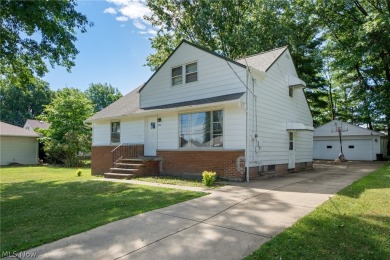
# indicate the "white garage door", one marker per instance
pixel 353 150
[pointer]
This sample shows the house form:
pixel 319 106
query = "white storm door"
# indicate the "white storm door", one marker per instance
pixel 291 151
pixel 151 136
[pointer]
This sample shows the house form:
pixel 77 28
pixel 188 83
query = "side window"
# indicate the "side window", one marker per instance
pixel 115 132
pixel 177 75
pixel 291 140
pixel 191 72
pixel 291 91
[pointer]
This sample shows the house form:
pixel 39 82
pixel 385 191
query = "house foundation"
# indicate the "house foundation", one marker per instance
pixel 191 164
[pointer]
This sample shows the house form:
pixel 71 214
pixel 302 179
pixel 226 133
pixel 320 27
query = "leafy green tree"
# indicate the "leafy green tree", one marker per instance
pixel 19 102
pixel 67 134
pixel 102 95
pixel 358 46
pixel 34 31
pixel 239 28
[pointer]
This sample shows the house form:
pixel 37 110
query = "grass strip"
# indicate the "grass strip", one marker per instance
pixel 354 224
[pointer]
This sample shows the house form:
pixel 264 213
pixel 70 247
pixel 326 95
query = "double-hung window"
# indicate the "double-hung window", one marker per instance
pixel 203 129
pixel 190 73
pixel 115 132
pixel 177 75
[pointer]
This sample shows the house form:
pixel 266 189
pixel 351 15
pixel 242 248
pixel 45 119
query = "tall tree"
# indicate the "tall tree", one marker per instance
pixel 102 95
pixel 19 102
pixel 35 31
pixel 67 134
pixel 358 45
pixel 243 27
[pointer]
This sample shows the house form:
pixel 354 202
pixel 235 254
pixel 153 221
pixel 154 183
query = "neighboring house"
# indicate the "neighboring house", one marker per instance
pixel 358 143
pixel 18 145
pixel 32 124
pixel 202 111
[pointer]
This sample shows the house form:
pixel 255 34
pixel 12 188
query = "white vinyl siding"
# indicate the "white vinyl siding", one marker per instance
pixel 132 131
pixel 214 78
pixel 101 133
pixel 274 108
pixel 23 150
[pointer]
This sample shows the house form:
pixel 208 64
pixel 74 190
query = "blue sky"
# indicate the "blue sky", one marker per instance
pixel 113 51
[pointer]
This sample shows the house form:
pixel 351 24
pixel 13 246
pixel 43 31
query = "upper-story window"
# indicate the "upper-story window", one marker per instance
pixel 291 91
pixel 190 70
pixel 177 75
pixel 115 132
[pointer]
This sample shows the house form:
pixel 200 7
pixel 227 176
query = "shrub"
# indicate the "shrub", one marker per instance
pixel 208 178
pixel 78 172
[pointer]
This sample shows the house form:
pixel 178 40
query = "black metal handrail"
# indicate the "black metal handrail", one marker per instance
pixel 126 150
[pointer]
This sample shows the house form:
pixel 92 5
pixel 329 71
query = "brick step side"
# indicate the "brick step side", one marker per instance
pixel 128 165
pixel 113 175
pixel 119 170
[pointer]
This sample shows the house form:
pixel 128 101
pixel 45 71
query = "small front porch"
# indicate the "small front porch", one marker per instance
pixel 124 161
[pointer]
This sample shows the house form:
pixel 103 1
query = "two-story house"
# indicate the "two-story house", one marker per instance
pixel 202 111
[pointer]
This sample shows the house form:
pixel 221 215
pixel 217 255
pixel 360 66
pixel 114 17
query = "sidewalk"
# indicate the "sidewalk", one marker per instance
pixel 229 223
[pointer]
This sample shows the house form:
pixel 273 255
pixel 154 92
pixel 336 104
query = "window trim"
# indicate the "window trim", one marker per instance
pixel 118 132
pixel 194 148
pixel 291 91
pixel 185 71
pixel 291 141
pixel 181 75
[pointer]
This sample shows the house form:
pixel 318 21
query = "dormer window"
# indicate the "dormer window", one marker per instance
pixel 191 72
pixel 177 75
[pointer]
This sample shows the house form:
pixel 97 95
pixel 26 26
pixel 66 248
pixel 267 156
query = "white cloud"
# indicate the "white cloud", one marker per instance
pixel 137 23
pixel 134 10
pixel 122 18
pixel 151 31
pixel 110 10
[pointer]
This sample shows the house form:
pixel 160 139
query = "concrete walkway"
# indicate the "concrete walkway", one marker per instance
pixel 229 223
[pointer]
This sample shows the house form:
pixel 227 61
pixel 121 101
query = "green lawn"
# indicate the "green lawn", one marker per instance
pixel 43 204
pixel 354 224
pixel 176 181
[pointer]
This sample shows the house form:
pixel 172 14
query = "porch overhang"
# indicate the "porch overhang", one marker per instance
pixel 295 127
pixel 294 81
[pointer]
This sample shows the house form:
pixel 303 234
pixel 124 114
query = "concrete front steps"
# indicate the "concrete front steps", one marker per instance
pixel 127 168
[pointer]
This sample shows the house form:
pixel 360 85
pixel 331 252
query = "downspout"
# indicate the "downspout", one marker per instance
pixel 247 128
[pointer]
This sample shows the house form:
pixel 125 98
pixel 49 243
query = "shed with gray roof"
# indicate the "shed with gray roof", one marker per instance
pixel 18 145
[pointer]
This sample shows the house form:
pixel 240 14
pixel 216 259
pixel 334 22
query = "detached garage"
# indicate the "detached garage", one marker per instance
pixel 357 143
pixel 18 145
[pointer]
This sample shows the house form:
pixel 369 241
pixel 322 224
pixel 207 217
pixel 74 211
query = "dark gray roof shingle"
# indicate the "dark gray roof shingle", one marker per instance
pixel 200 101
pixel 263 61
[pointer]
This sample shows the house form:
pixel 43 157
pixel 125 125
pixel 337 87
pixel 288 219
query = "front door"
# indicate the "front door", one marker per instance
pixel 291 151
pixel 151 136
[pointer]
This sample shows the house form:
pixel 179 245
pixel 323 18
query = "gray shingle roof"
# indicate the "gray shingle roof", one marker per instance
pixel 200 101
pixel 126 105
pixel 263 61
pixel 13 130
pixel 38 124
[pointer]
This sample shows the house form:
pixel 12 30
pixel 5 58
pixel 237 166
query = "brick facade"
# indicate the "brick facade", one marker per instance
pixel 193 163
pixel 101 159
pixel 278 169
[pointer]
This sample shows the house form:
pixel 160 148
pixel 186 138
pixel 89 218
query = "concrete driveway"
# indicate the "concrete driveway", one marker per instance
pixel 229 223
